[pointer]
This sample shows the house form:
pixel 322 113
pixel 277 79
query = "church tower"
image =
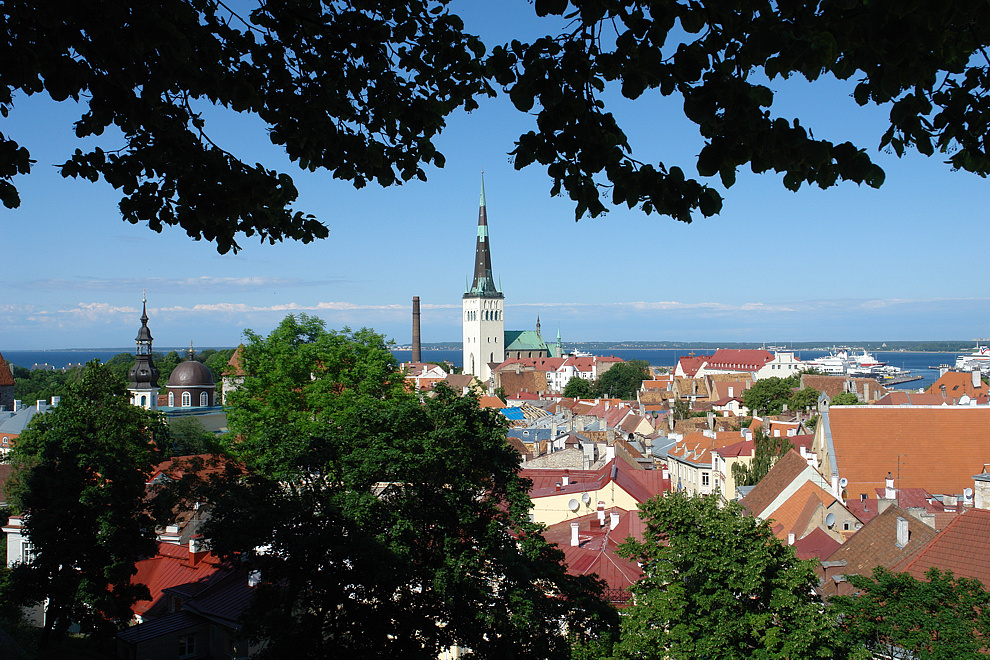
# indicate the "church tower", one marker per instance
pixel 483 307
pixel 143 376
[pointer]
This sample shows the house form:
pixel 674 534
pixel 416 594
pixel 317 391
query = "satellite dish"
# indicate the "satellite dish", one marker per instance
pixel 830 520
pixel 586 499
pixel 573 505
pixel 967 494
pixel 843 482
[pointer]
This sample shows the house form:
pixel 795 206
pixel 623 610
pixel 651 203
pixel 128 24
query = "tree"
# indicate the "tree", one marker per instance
pixel 79 475
pixel 362 90
pixel 578 388
pixel 622 379
pixel 188 437
pixel 927 65
pixel 897 615
pixel 681 409
pixel 845 399
pixel 803 398
pixel 767 450
pixel 382 524
pixel 767 396
pixel 717 584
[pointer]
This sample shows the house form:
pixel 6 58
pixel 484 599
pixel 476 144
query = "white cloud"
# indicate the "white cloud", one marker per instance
pixel 172 284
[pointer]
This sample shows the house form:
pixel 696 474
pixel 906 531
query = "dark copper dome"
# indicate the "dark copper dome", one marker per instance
pixel 191 374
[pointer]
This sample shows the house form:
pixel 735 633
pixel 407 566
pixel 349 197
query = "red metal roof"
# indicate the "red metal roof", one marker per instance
pixel 173 566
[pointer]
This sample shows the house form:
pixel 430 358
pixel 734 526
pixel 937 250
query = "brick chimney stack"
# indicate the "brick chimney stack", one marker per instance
pixel 417 354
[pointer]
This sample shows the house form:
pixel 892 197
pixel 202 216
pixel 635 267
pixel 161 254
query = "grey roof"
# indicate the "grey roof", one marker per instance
pixel 16 422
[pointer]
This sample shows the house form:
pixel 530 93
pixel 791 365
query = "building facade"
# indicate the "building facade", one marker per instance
pixel 483 308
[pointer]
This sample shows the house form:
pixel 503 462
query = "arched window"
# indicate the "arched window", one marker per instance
pixel 186 400
pixel 204 399
pixel 144 400
pixel 171 399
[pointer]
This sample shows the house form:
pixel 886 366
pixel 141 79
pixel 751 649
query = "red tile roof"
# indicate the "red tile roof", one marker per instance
pixel 957 384
pixel 781 475
pixel 6 375
pixel 596 552
pixel 640 484
pixel 963 547
pixel 739 358
pixel 817 544
pixel 173 566
pixel 690 364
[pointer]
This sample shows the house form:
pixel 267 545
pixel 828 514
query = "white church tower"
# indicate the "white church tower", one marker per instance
pixel 483 307
pixel 143 376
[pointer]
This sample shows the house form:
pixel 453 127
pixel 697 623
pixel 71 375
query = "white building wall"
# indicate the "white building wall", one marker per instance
pixel 484 335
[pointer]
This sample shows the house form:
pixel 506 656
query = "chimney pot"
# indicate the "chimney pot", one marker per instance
pixel 902 532
pixel 575 541
pixel 790 538
pixel 614 520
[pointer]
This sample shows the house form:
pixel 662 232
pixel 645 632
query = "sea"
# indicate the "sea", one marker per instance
pixel 917 363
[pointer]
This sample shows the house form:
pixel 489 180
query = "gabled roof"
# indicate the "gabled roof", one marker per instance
pixel 786 470
pixel 234 365
pixel 870 441
pixel 816 544
pixel 690 364
pixel 875 544
pixel 794 514
pixel 173 566
pixel 963 547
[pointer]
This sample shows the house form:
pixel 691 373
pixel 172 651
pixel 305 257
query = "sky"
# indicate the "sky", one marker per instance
pixel 849 263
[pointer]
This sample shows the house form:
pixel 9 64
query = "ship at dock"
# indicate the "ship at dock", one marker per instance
pixel 844 362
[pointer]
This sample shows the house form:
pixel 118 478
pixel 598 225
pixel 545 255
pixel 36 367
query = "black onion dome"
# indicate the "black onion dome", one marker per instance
pixel 191 374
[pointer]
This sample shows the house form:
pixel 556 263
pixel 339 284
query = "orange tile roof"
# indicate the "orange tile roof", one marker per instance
pixel 795 512
pixel 957 384
pixel 909 441
pixel 782 474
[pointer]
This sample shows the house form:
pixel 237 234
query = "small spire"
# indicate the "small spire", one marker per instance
pixel 192 353
pixel 482 203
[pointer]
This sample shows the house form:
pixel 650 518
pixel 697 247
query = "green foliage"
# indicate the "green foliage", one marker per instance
pixel 188 437
pixel 717 584
pixel 32 385
pixel 622 379
pixel 358 90
pixel 845 399
pixel 924 65
pixel 391 526
pixel 767 396
pixel 79 474
pixel 578 388
pixel 165 364
pixel 766 451
pixel 896 615
pixel 681 409
pixel 803 398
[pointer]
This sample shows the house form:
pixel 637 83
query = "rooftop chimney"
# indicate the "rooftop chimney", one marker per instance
pixel 902 532
pixel 197 549
pixel 417 354
pixel 790 538
pixel 613 520
pixel 977 383
pixel 575 541
pixel 890 492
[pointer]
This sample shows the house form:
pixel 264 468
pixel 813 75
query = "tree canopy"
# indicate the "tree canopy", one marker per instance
pixel 380 523
pixel 578 388
pixel 717 584
pixel 79 475
pixel 362 89
pixel 896 615
pixel 622 379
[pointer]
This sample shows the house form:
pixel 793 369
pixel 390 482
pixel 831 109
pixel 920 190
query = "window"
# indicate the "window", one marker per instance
pixel 187 645
pixel 704 478
pixel 171 399
pixel 204 399
pixel 186 399
pixel 845 526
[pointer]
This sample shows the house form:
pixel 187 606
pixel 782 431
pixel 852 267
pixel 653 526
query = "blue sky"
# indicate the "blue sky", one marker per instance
pixel 903 262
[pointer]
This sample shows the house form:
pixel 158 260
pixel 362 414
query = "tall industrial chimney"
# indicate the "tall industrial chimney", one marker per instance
pixel 417 355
